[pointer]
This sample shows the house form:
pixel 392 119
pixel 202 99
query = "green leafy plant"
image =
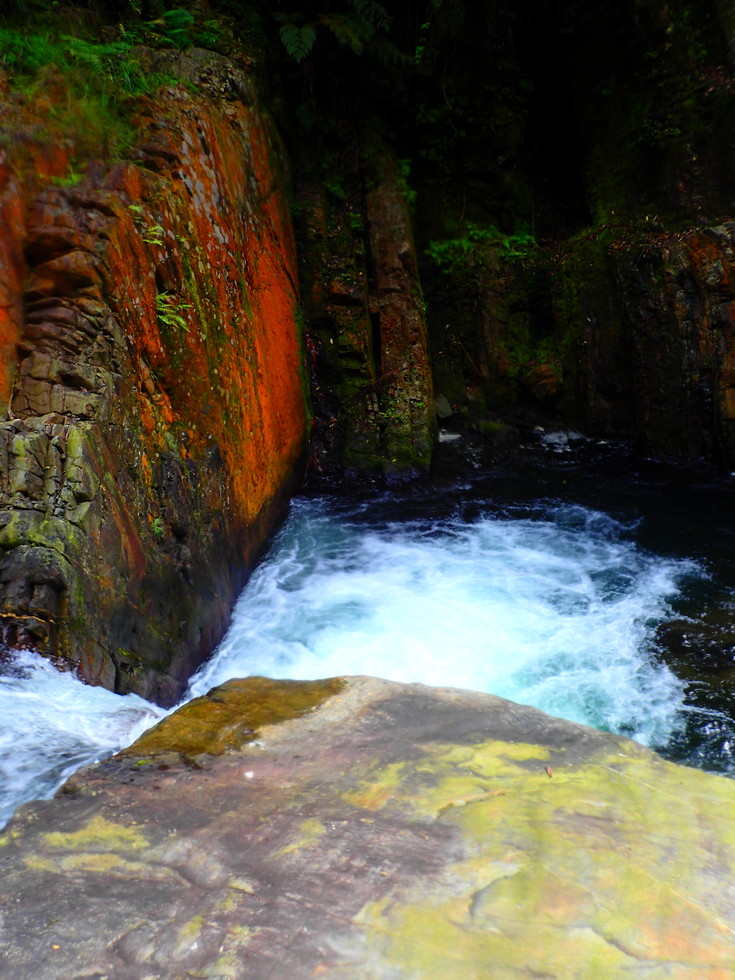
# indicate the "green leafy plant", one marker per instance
pixel 173 28
pixel 24 54
pixel 390 410
pixel 453 254
pixel 334 185
pixel 70 180
pixel 354 28
pixel 296 34
pixel 404 174
pixel 170 312
pixel 153 235
pixel 210 35
pixel 157 527
pixel 90 84
pixel 356 222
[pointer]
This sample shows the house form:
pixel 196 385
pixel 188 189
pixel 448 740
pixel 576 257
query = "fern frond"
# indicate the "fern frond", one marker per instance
pixel 298 40
pixel 348 30
pixel 372 13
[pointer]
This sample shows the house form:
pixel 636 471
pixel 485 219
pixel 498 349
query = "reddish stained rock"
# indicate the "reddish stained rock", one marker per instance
pixel 157 421
pixel 543 381
pixel 376 830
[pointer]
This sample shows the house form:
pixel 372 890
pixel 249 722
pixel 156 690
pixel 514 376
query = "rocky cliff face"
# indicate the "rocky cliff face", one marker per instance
pixel 373 397
pixel 652 327
pixel 155 407
pixel 573 218
pixel 622 332
pixel 149 310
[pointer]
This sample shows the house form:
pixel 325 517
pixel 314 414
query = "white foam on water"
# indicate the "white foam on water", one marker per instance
pixel 562 441
pixel 558 613
pixel 51 724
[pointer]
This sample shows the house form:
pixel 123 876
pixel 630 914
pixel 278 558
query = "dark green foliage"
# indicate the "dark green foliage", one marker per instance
pixel 455 254
pixel 298 37
pixel 109 72
pixel 177 26
pixel 353 28
pixel 41 9
pixel 92 80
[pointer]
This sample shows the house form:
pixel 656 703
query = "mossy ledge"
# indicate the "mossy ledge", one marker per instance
pixel 231 715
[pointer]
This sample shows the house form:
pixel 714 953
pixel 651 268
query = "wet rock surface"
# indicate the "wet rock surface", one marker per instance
pixel 373 390
pixel 155 418
pixel 373 830
pixel 624 332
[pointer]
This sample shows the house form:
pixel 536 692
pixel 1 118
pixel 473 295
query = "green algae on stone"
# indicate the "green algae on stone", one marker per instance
pixel 309 831
pixel 554 866
pixel 98 834
pixel 105 863
pixel 451 776
pixel 231 715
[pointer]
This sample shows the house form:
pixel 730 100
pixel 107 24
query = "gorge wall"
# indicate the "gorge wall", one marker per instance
pixel 514 217
pixel 156 381
pixel 566 171
pixel 578 253
pixel 156 417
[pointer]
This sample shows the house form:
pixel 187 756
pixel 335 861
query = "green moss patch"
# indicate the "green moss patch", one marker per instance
pixel 230 716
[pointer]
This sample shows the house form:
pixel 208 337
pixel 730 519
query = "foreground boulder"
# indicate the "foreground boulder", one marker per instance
pixel 358 828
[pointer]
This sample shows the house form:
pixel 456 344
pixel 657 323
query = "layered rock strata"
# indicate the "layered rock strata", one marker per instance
pixel 156 413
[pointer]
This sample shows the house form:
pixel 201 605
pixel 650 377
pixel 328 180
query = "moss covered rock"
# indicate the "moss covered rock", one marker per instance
pixel 157 419
pixel 361 828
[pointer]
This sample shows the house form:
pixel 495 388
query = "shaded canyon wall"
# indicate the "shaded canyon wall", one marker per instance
pixel 578 254
pixel 152 310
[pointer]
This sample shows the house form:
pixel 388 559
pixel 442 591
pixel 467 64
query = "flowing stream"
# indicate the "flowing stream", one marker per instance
pixel 597 587
pixel 555 609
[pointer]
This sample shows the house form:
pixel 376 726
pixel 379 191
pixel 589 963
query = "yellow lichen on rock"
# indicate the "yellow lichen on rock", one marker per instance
pixel 99 835
pixel 309 831
pixel 554 870
pixel 231 715
pixel 397 833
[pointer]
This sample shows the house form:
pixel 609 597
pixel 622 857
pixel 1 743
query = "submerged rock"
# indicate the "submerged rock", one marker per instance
pixel 376 830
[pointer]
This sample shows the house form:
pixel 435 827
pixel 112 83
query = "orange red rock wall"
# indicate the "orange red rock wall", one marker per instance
pixel 157 419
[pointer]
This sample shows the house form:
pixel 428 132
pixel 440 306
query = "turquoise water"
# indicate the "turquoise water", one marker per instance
pixel 574 577
pixel 558 610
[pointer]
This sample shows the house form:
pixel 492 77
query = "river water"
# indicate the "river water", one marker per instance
pixel 573 576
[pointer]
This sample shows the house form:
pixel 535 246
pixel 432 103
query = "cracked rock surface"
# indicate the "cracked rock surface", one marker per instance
pixel 361 828
pixel 154 421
